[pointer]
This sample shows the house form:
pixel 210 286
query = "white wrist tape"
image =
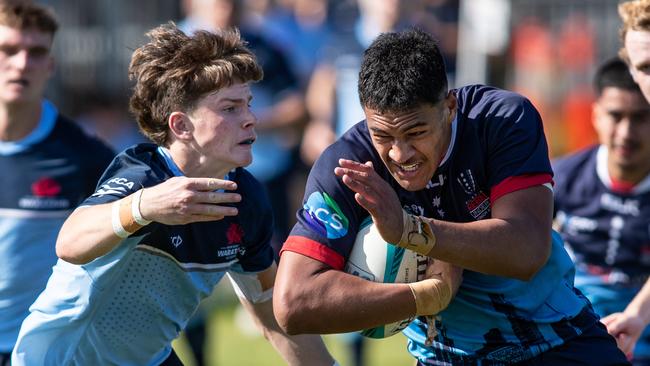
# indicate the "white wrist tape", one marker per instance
pixel 118 229
pixel 135 209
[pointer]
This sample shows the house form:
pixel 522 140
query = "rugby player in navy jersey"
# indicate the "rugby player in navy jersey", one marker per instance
pixel 602 203
pixel 48 164
pixel 464 177
pixel 168 220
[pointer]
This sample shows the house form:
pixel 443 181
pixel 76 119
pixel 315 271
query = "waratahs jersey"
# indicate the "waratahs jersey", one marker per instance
pixel 497 146
pixel 44 177
pixel 606 228
pixel 126 307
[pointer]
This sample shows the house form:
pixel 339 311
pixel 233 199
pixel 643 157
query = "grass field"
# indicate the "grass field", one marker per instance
pixel 235 342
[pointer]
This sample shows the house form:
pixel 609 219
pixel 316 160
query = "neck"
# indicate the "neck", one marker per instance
pixel 622 175
pixel 194 165
pixel 17 121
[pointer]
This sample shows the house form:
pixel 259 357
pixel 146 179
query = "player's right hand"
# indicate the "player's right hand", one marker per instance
pixel 182 200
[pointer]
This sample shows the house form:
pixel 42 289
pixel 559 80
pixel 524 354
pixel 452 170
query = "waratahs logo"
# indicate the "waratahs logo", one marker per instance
pixel 324 216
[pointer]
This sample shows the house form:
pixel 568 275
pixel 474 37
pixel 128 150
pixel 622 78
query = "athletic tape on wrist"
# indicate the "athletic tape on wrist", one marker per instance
pixel 417 234
pixel 135 209
pixel 118 229
pixel 431 296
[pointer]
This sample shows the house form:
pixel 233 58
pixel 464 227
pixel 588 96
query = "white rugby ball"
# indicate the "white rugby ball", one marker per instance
pixel 373 259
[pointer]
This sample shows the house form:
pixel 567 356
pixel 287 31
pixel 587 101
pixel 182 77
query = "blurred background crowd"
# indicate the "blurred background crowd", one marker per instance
pixel 310 51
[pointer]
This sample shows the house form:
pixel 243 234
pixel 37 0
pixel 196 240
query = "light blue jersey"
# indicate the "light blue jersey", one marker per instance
pixel 126 307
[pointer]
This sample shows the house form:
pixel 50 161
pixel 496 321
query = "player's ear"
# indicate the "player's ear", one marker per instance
pixel 450 103
pixel 180 125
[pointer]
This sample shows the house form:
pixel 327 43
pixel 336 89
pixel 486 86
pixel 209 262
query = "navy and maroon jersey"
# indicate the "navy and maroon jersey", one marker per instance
pixel 497 147
pixel 45 175
pixel 607 231
pixel 127 306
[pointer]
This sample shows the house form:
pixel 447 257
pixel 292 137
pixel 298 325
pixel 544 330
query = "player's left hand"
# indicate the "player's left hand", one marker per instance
pixel 626 328
pixel 375 196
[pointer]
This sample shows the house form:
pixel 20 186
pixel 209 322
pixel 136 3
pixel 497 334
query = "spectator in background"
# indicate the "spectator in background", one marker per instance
pixel 332 99
pixel 105 116
pixel 301 31
pixel 168 219
pixel 602 204
pixel 49 164
pixel 635 34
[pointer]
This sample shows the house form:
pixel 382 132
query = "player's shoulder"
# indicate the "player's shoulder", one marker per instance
pixel 138 165
pixel 573 163
pixel 475 100
pixel 576 168
pixel 69 132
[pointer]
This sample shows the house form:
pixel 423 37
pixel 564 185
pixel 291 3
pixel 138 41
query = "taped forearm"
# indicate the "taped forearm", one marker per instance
pixel 431 295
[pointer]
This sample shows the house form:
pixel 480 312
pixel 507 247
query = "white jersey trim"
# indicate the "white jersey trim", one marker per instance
pixel 209 267
pixel 33 214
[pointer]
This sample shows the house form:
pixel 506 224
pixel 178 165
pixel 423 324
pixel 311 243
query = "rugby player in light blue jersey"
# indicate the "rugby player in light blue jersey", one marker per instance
pixel 167 221
pixel 462 176
pixel 48 164
pixel 602 203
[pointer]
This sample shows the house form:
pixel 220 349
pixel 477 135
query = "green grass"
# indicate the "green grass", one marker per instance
pixel 233 340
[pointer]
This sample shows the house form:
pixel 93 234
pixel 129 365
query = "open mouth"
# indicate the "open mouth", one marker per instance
pixel 408 168
pixel 247 141
pixel 21 82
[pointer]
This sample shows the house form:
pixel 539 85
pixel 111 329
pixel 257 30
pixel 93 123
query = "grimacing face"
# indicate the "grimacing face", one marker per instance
pixel 621 119
pixel 25 64
pixel 413 143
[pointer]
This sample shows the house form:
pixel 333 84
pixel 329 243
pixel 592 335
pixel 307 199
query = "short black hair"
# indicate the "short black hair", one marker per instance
pixel 401 71
pixel 614 73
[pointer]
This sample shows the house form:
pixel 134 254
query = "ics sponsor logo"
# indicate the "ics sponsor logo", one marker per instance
pixel 324 216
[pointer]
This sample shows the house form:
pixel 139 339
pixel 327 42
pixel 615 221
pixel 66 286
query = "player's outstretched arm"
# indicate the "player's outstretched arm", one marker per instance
pixel 254 292
pixel 628 325
pixel 92 231
pixel 311 297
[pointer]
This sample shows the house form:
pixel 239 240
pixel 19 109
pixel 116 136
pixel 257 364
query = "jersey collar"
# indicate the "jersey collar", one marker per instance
pixel 49 113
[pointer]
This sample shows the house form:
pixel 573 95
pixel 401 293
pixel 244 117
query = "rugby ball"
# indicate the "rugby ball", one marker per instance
pixel 373 259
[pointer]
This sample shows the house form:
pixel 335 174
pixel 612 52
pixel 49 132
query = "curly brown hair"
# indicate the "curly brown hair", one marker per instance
pixel 27 15
pixel 635 16
pixel 175 70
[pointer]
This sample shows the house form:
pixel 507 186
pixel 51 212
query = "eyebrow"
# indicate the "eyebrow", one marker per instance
pixel 237 100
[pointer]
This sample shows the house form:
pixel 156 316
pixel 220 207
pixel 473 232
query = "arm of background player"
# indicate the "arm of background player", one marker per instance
pixel 88 232
pixel 627 326
pixel 515 242
pixel 295 350
pixel 311 297
pixel 320 98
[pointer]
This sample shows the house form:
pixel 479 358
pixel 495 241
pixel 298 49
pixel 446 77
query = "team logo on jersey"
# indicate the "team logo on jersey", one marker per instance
pixel 116 186
pixel 44 192
pixel 46 187
pixel 229 252
pixel 478 203
pixel 324 216
pixel 234 234
pixel 176 240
